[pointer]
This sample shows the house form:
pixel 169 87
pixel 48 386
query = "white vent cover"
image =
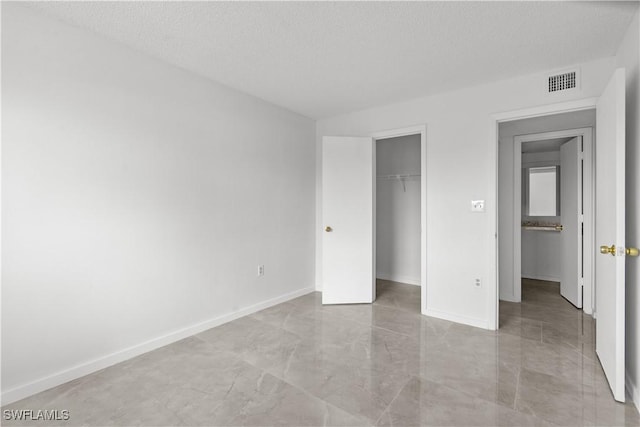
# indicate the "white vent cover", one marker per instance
pixel 564 81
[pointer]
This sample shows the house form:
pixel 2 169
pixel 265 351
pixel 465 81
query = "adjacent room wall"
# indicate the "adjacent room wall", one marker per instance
pixel 507 131
pixel 398 210
pixel 138 201
pixel 461 166
pixel 628 57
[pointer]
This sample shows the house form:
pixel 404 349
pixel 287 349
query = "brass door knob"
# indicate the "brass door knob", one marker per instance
pixel 632 251
pixel 608 250
pixel 328 229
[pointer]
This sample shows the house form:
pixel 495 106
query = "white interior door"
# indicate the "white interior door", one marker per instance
pixel 348 206
pixel 610 205
pixel 570 213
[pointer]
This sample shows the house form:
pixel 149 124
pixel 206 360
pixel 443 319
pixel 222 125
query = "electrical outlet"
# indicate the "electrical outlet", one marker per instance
pixel 478 283
pixel 261 270
pixel 477 206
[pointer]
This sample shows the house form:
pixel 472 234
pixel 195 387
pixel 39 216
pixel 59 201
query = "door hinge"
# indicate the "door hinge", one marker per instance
pixel 581 282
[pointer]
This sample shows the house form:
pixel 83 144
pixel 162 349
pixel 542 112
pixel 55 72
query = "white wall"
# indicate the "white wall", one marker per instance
pixel 507 131
pixel 461 165
pixel 628 57
pixel 138 200
pixel 397 210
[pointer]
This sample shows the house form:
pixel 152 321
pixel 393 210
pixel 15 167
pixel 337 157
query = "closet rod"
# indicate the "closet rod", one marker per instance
pixel 401 178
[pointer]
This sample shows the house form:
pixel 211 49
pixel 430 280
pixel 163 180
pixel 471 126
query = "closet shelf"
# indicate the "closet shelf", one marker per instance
pixel 402 178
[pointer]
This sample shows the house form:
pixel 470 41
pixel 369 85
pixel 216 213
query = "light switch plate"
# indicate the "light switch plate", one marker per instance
pixel 477 206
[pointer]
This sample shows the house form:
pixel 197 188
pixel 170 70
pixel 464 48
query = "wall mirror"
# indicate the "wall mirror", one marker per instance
pixel 542 191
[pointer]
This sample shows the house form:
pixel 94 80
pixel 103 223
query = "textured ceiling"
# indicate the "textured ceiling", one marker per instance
pixel 325 58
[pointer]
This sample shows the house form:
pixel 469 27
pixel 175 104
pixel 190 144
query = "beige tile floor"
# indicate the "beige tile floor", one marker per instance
pixel 301 363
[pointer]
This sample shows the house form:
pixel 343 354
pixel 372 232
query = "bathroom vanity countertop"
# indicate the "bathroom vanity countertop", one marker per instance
pixel 542 227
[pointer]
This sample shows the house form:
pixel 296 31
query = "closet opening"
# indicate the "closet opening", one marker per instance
pixel 398 197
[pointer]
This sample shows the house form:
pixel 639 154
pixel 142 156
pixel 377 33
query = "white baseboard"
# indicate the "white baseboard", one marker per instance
pixel 94 365
pixel 540 277
pixel 508 298
pixel 401 279
pixel 588 310
pixel 465 320
pixel 633 391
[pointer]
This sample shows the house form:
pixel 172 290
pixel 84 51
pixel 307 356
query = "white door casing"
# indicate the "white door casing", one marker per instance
pixel 348 208
pixel 422 131
pixel 493 122
pixel 570 214
pixel 586 134
pixel 610 230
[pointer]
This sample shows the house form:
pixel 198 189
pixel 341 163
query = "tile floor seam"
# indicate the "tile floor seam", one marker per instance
pixel 347 319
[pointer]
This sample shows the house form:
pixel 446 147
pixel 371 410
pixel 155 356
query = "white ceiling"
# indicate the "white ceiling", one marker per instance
pixel 325 58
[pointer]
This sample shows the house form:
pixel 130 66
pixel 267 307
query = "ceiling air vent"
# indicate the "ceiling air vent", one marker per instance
pixel 563 81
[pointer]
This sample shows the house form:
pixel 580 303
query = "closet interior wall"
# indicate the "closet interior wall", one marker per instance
pixel 398 209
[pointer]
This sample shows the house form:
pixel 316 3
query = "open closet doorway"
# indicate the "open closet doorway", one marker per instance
pixel 349 213
pixel 398 222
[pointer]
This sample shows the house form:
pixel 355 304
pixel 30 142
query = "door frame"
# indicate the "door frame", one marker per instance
pixel 394 133
pixel 588 203
pixel 494 121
